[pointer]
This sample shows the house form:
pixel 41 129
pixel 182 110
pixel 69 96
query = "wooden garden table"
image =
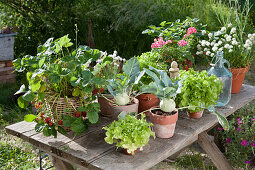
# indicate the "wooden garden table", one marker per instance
pixel 89 150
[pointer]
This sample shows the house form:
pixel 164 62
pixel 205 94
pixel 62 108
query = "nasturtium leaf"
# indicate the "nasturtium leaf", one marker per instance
pixel 29 96
pixel 39 127
pixel 21 89
pixel 93 117
pixel 76 92
pixel 22 103
pixel 35 85
pixel 29 118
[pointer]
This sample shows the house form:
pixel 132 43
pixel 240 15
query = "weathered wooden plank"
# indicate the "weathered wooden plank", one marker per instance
pixel 154 152
pixel 213 152
pixel 18 128
pixel 60 165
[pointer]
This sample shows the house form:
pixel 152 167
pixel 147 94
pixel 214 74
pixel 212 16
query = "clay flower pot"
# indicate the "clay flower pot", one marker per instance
pixel 238 75
pixel 164 126
pixel 125 151
pixel 105 105
pixel 147 101
pixel 116 110
pixel 195 115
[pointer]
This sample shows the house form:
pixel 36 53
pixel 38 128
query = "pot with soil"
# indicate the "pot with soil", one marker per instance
pixel 164 122
pixel 195 115
pixel 147 101
pixel 238 75
pixel 126 152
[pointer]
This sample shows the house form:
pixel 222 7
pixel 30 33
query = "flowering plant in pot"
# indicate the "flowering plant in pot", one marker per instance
pixel 121 88
pixel 129 133
pixel 60 86
pixel 198 89
pixel 177 41
pixel 108 66
pixel 235 40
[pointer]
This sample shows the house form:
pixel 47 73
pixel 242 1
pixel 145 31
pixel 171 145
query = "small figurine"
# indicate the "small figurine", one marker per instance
pixel 174 70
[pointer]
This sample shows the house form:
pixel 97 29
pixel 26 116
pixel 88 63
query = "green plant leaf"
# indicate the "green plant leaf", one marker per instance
pixel 98 81
pixel 78 126
pixel 22 103
pixel 35 85
pixel 54 132
pixel 21 90
pixel 41 96
pixel 93 117
pixel 39 127
pixel 29 96
pixel 54 78
pixel 75 81
pixel 131 67
pixel 62 130
pixel 46 131
pixel 41 61
pixel 67 120
pixel 122 115
pixel 76 92
pixel 29 118
pixel 223 121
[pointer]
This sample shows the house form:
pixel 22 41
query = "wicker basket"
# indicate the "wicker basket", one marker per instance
pixel 62 106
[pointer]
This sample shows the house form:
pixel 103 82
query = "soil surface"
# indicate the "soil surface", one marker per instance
pixel 162 113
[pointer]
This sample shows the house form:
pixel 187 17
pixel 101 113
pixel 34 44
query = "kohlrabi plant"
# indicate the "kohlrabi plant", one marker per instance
pixel 122 86
pixel 164 88
pixel 129 132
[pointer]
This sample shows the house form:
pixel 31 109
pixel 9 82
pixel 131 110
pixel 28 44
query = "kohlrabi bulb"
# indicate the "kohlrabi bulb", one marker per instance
pixel 122 99
pixel 167 105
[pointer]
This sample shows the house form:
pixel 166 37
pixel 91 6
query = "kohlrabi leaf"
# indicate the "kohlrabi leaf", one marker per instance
pixel 223 121
pixel 131 67
pixel 21 90
pixel 122 115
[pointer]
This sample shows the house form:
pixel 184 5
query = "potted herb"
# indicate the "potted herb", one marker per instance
pixel 198 89
pixel 235 40
pixel 129 133
pixel 121 88
pixel 60 87
pixel 165 117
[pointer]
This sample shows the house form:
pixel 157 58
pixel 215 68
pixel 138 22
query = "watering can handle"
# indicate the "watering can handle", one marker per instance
pixel 226 61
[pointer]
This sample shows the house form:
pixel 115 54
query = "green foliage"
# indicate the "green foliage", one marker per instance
pixel 129 133
pixel 162 86
pixel 54 73
pixel 150 59
pixel 122 87
pixel 239 142
pixel 199 89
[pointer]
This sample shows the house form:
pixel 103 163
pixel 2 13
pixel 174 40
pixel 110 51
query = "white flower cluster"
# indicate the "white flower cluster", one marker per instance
pixel 249 42
pixel 116 59
pixel 222 41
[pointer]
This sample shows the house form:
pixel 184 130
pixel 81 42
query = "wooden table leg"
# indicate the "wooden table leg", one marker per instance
pixel 213 152
pixel 60 164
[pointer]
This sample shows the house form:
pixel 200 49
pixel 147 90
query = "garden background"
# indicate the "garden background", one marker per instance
pixel 105 25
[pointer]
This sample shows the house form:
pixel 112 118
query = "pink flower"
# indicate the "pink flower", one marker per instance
pixel 220 128
pixel 252 144
pixel 252 119
pixel 239 120
pixel 228 140
pixel 191 30
pixel 244 143
pixel 239 129
pixel 158 43
pixel 182 43
pixel 247 162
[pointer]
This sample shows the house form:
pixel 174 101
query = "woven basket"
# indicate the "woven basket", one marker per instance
pixel 62 106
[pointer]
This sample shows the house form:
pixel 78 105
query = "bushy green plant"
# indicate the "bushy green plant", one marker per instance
pixel 199 89
pixel 54 73
pixel 148 59
pixel 239 141
pixel 129 132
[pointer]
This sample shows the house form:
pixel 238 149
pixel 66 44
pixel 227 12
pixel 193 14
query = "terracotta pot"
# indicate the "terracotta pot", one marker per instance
pixel 116 110
pixel 8 63
pixel 238 75
pixel 147 101
pixel 105 105
pixel 125 151
pixel 195 115
pixel 164 126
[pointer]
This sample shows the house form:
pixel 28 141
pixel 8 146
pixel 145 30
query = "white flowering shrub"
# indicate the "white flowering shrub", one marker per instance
pixel 237 49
